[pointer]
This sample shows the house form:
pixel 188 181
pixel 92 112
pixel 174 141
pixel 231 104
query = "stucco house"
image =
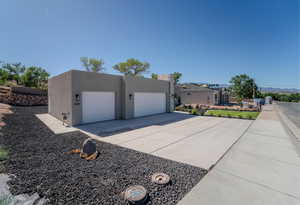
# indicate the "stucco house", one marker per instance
pixel 85 97
pixel 194 94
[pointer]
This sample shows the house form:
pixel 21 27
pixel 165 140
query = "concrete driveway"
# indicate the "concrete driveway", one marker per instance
pixel 195 140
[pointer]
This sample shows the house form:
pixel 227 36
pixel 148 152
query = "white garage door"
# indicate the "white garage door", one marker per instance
pixel 149 103
pixel 98 106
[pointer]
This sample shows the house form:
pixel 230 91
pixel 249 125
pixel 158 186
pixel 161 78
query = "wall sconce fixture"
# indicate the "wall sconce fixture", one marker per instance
pixel 77 97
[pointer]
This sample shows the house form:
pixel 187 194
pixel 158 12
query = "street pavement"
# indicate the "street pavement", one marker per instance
pixel 292 111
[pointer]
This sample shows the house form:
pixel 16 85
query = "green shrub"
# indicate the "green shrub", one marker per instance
pixel 240 116
pixel 229 115
pixel 3 154
pixel 194 112
pixel 190 107
pixel 219 115
pixel 6 199
pixel 249 117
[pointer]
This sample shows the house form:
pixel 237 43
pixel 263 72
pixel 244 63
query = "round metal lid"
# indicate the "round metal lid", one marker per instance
pixel 135 194
pixel 160 178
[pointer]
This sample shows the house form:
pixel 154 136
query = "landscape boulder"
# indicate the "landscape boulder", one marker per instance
pixel 89 147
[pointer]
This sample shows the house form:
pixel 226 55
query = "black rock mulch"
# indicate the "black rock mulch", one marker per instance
pixel 38 160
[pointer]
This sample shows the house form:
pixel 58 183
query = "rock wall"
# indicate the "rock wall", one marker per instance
pixel 9 96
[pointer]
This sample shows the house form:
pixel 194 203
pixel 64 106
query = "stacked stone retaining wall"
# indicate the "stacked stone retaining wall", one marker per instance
pixel 23 96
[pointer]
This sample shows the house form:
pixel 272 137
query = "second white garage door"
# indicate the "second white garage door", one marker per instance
pixel 149 103
pixel 98 106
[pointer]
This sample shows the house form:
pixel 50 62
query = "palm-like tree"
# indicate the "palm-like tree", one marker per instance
pixel 92 64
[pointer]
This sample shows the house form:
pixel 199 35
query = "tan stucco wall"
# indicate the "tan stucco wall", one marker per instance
pixel 64 88
pixel 170 79
pixel 89 81
pixel 197 97
pixel 140 84
pixel 59 96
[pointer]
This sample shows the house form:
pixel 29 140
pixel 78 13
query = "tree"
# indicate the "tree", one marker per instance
pixel 92 64
pixel 242 86
pixel 132 67
pixel 35 77
pixel 154 76
pixel 285 97
pixel 14 70
pixel 177 76
pixel 3 76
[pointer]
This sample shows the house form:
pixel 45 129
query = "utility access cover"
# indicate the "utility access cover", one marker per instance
pixel 135 194
pixel 160 178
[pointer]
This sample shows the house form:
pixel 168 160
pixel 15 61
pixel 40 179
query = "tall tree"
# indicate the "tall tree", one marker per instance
pixel 14 70
pixel 3 76
pixel 177 76
pixel 92 64
pixel 35 77
pixel 132 67
pixel 154 76
pixel 242 86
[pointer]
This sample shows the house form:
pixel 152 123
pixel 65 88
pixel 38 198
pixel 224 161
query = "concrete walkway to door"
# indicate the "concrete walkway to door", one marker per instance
pixel 262 168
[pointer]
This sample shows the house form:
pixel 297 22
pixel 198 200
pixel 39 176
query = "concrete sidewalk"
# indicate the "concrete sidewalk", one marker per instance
pixel 262 168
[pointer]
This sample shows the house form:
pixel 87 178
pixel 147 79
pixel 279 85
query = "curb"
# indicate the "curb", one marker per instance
pixel 290 128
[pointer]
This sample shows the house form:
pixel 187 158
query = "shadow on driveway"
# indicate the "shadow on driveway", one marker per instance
pixel 108 128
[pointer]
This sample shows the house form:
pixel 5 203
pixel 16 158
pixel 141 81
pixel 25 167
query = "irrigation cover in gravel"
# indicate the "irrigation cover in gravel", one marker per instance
pixel 37 158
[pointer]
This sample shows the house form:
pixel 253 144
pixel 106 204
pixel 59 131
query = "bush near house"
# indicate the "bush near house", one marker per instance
pixel 3 154
pixel 16 74
pixel 234 114
pixel 284 97
pixel 194 112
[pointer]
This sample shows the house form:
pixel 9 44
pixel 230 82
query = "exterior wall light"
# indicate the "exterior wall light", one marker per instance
pixel 130 96
pixel 77 99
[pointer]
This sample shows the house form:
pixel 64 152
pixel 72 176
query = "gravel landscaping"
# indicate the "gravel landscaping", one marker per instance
pixel 38 159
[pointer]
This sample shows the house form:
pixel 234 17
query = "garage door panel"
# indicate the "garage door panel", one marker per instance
pixel 146 103
pixel 98 106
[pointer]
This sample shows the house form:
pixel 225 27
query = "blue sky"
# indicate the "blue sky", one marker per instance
pixel 206 40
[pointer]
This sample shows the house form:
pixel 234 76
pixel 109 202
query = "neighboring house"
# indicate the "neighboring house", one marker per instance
pixel 85 97
pixel 194 94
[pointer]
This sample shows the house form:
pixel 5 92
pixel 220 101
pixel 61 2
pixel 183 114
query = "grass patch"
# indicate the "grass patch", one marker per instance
pixel 234 114
pixel 3 154
pixel 6 199
pixel 194 112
